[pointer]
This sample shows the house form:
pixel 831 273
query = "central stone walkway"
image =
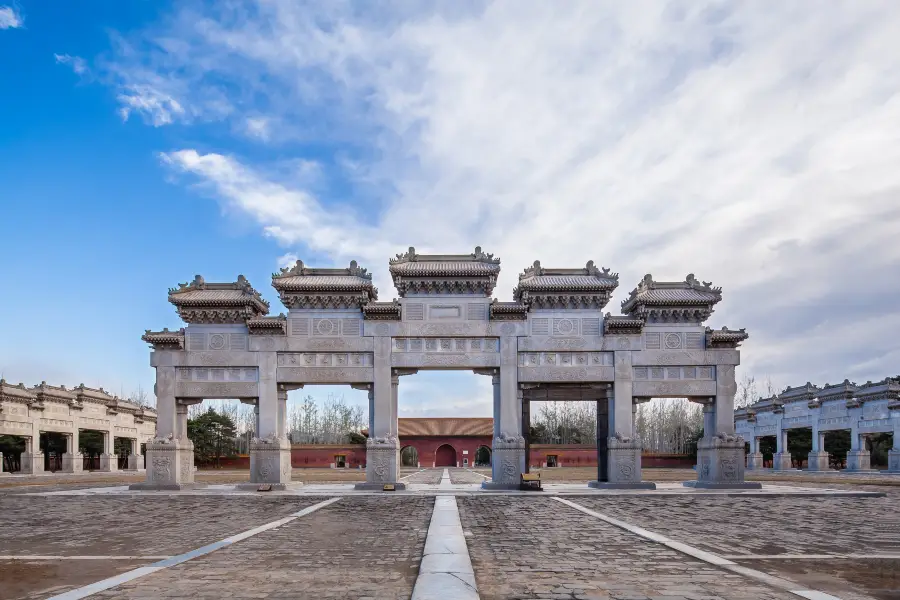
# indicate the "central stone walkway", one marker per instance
pixel 518 545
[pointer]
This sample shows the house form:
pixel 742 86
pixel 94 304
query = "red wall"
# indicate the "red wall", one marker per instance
pixel 322 455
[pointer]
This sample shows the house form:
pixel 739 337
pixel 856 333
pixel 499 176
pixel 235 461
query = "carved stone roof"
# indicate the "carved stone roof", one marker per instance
pixel 474 274
pixel 306 287
pixel 16 393
pixel 845 390
pixel 688 301
pixel 508 311
pixel 95 395
pixel 621 324
pixel 725 338
pixel 801 392
pixel 382 311
pixel 45 392
pixel 220 303
pixel 276 325
pixel 886 389
pixel 588 287
pixel 165 339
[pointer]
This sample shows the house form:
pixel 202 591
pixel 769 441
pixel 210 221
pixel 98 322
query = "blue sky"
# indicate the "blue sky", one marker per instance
pixel 145 142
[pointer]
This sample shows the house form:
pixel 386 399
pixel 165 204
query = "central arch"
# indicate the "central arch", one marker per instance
pixel 445 456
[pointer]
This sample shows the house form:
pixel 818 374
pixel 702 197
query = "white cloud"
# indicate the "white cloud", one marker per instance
pixel 750 144
pixel 9 18
pixel 77 63
pixel 156 106
pixel 258 127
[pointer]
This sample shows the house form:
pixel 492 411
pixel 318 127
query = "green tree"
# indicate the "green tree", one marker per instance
pixel 213 435
pixel 799 445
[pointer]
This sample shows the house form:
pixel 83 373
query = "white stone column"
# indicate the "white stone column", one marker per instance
pixel 371 394
pixel 726 388
pixel 781 461
pixel 270 451
pixel 623 462
pixel 394 424
pixel 165 403
pixel 720 453
pixel 109 460
pixel 508 447
pixel 32 460
pixel 755 457
pixel 818 459
pixel 135 458
pixel 894 452
pixel 382 446
pixel 495 383
pixel 858 458
pixel 72 460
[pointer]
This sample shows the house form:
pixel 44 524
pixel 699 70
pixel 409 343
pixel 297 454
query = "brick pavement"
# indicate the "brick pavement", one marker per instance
pixel 360 547
pixel 431 476
pixel 464 476
pixel 539 548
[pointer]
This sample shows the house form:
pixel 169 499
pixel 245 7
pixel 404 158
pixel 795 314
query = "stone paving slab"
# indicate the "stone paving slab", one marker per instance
pixel 539 548
pixel 28 580
pixel 356 548
pixel 112 524
pixel 458 476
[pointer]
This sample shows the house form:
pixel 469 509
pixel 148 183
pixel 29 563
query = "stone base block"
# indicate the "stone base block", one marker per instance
pixel 782 462
pixel 707 485
pixel 72 463
pixel 508 461
pixel 819 461
pixel 720 460
pixel 623 460
pixel 270 461
pixel 611 485
pixel 490 485
pixel 109 462
pixel 276 487
pixel 379 487
pixel 32 464
pixel 754 461
pixel 170 464
pixel 382 461
pixel 893 461
pixel 163 487
pixel 859 461
pixel 135 462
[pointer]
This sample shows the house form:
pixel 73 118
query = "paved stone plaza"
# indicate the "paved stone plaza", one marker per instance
pixel 370 545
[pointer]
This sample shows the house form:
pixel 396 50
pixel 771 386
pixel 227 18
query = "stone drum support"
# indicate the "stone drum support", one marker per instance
pixel 755 457
pixel 781 461
pixel 72 460
pixel 135 458
pixel 859 459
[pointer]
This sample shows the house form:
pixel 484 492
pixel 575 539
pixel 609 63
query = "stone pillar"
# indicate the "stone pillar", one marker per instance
pixel 781 461
pixel 371 410
pixel 894 452
pixel 170 455
pixel 109 460
pixel 270 450
pixel 32 462
pixel 72 460
pixel 508 455
pixel 382 446
pixel 720 454
pixel 135 458
pixel 818 459
pixel 858 458
pixel 755 457
pixel 495 383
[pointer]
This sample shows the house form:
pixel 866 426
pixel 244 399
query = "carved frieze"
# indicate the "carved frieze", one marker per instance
pixel 243 374
pixel 445 359
pixel 674 388
pixel 687 357
pixel 455 345
pixel 834 423
pixel 211 389
pixel 325 359
pixel 566 373
pixel 702 373
pixel 325 374
pixel 565 359
pixel 216 359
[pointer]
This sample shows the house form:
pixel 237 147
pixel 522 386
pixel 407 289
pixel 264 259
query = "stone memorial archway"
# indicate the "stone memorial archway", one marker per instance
pixel 553 336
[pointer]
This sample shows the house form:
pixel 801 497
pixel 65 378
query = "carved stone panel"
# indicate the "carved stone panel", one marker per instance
pixel 325 374
pixel 455 345
pixel 686 357
pixel 217 359
pixel 325 359
pixel 216 390
pixel 217 374
pixel 445 359
pixel 674 388
pixel 573 374
pixel 341 344
pixel 702 373
pixel 565 359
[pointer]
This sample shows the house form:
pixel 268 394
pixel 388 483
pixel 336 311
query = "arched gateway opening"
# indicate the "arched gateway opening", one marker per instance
pixel 445 456
pixel 409 457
